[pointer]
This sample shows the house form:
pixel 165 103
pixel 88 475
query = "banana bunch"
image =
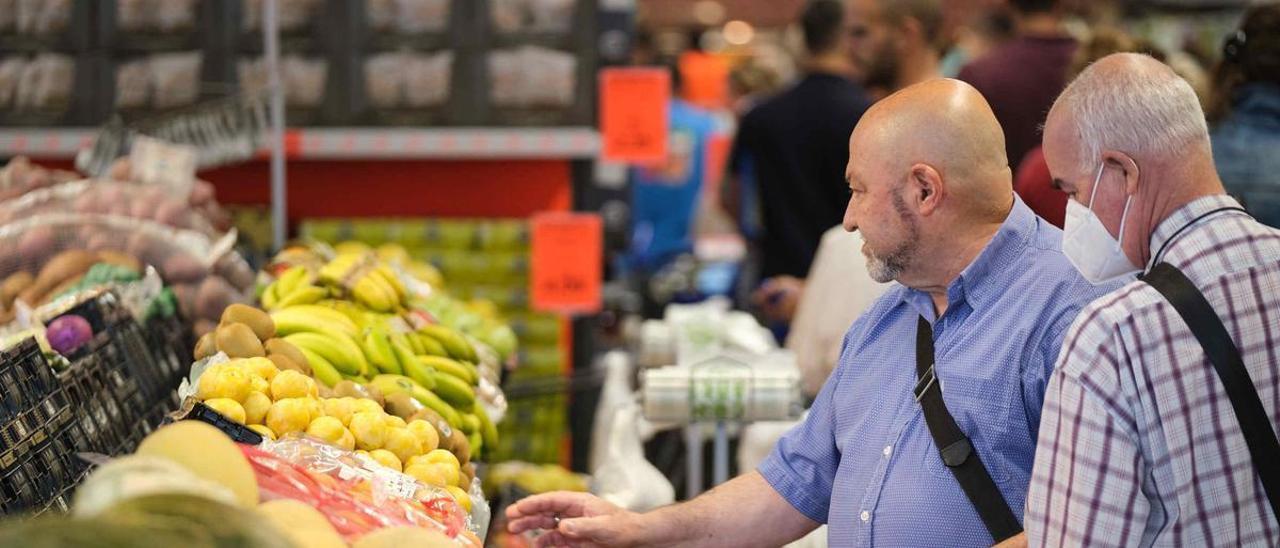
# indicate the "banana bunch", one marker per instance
pixel 327 338
pixel 372 284
pixel 295 286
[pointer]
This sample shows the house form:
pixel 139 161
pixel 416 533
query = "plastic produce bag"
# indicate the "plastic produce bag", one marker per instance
pixel 626 478
pixel 20 176
pixel 615 394
pixel 127 199
pixel 356 494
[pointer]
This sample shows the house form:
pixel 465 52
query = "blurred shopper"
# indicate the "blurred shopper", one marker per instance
pixel 1245 112
pixel 665 195
pixel 983 32
pixel 1031 179
pixel 897 44
pixel 788 159
pixel 1022 77
pixel 982 279
pixel 1159 420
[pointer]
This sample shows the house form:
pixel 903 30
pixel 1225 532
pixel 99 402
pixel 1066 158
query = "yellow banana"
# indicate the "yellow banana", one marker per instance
pixel 393 384
pixel 409 362
pixel 290 279
pixel 453 342
pixel 298 318
pixel 415 343
pixel 458 370
pixel 338 349
pixel 304 294
pixel 271 296
pixel 430 346
pixel 321 369
pixel 389 276
pixel 372 292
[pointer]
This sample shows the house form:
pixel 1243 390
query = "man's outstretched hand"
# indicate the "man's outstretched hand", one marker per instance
pixel 584 520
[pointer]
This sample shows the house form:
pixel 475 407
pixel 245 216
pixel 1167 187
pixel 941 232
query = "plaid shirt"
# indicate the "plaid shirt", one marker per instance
pixel 1138 441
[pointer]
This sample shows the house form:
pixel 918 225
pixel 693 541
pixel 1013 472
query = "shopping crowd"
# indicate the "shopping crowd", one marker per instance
pixel 1062 271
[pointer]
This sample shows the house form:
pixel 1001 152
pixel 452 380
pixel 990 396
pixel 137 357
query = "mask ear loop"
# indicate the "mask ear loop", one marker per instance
pixel 1096 180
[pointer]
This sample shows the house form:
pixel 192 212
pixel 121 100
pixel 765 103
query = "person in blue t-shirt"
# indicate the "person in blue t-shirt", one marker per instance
pixel 664 196
pixel 932 195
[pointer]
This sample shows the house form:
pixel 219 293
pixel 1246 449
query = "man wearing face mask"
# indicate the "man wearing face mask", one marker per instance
pixel 1159 421
pixel 924 434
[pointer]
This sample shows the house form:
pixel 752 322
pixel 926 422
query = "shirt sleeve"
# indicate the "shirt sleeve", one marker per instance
pixel 1086 484
pixel 802 466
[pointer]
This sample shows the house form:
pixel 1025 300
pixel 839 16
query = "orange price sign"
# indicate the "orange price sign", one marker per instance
pixel 633 114
pixel 566 271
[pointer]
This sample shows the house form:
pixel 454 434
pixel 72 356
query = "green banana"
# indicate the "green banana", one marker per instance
pixel 488 430
pixel 378 351
pixel 393 384
pixel 453 390
pixel 339 349
pixel 355 378
pixel 408 362
pixel 470 424
pixel 415 343
pixel 271 296
pixel 321 369
pixel 312 318
pixel 451 367
pixel 453 342
pixel 421 374
pixel 477 445
pixel 433 402
pixel 430 346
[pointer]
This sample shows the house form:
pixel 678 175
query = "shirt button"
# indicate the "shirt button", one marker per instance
pixel 887 450
pixel 866 516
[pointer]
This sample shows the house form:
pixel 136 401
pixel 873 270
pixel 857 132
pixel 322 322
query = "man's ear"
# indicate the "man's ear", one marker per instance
pixel 925 188
pixel 1125 163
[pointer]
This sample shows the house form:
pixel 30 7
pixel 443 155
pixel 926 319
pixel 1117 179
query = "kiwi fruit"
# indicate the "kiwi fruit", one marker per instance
pixel 237 340
pixel 261 324
pixel 281 346
pixel 402 405
pixel 374 394
pixel 205 347
pixel 283 362
pixel 460 447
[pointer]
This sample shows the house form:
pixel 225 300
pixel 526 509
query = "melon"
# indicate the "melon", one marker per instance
pixel 301 523
pixel 207 453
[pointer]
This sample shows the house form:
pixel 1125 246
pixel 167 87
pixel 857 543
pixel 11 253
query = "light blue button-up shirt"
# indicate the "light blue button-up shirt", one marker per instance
pixel 863 461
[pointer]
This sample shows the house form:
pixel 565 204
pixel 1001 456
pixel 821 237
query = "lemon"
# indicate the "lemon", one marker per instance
pixel 228 408
pixel 461 496
pixel 386 458
pixel 369 429
pixel 328 429
pixel 443 457
pixel 262 367
pixel 403 443
pixel 426 434
pixel 367 406
pixel 431 474
pixel 224 382
pixel 348 441
pixel 288 415
pixel 256 407
pixel 264 431
pixel 314 407
pixel 394 421
pixel 260 385
pixel 291 384
pixel 339 408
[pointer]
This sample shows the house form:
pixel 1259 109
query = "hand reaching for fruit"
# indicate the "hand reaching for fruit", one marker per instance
pixel 575 519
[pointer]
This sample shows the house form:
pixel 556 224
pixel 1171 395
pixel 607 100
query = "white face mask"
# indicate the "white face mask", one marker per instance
pixel 1087 244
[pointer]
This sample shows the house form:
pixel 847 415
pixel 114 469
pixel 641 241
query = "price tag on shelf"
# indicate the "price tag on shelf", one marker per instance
pixel 565 273
pixel 633 114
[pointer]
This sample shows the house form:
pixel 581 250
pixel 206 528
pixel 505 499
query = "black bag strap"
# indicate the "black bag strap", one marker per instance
pixel 1254 421
pixel 957 452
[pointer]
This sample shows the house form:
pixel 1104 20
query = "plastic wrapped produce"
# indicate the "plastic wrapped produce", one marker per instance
pixel 421 15
pixel 175 78
pixel 427 79
pixel 356 494
pixel 149 202
pixel 10 73
pixel 384 79
pixel 46 83
pixel 133 84
pixel 20 176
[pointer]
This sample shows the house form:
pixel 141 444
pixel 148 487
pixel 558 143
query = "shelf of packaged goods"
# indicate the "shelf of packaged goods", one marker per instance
pixel 358 143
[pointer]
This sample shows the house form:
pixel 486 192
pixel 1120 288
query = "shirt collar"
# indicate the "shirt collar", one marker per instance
pixel 1181 217
pixel 975 284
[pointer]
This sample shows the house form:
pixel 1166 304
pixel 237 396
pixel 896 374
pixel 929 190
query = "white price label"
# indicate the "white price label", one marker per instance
pixel 157 162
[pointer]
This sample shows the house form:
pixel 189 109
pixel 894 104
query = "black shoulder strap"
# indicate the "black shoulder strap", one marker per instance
pixel 1254 421
pixel 957 452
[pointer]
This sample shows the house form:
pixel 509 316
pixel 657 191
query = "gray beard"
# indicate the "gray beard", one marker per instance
pixel 889 267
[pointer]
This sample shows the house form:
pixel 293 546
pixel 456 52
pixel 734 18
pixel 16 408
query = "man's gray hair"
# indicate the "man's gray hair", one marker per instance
pixel 1135 105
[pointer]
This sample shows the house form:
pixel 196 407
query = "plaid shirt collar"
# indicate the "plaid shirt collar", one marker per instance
pixel 1175 222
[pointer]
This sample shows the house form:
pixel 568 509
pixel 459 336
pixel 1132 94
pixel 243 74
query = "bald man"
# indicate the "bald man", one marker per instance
pixel 1148 438
pixel 984 284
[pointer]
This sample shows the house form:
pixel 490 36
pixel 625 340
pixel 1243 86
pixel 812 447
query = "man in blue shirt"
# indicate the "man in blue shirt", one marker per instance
pixel 931 192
